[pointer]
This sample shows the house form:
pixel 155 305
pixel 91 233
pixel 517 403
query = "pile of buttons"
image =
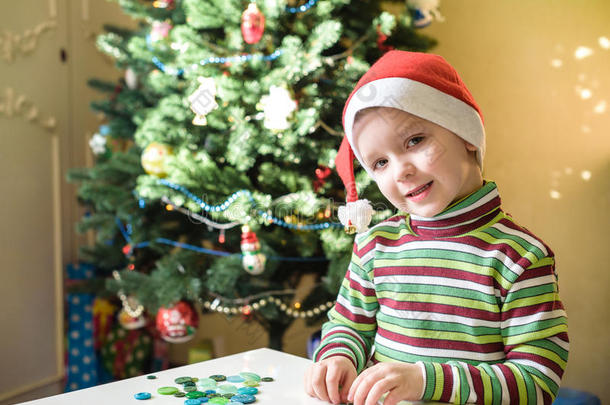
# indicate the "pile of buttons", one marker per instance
pixel 214 390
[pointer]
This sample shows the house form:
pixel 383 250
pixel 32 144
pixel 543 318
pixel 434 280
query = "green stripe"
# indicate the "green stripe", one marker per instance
pixel 446 335
pixel 430 381
pixel 548 354
pixel 436 290
pixel 540 334
pixel 533 327
pixel 439 381
pixel 431 325
pixel 525 249
pixel 548 345
pixel 430 298
pixel 526 302
pixel 360 327
pixel 521 388
pixel 531 291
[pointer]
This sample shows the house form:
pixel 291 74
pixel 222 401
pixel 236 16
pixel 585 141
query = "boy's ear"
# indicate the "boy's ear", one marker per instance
pixel 470 147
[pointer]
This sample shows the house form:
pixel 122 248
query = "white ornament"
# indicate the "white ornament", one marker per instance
pixel 131 79
pixel 97 143
pixel 356 215
pixel 429 10
pixel 277 106
pixel 203 100
pixel 254 263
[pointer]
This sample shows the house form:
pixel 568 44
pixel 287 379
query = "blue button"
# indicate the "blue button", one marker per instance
pixel 247 390
pixel 192 402
pixel 142 395
pixel 235 378
pixel 243 398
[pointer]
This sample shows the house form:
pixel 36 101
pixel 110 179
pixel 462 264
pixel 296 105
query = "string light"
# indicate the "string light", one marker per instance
pixel 247 309
pixel 266 216
pixel 133 312
pixel 302 8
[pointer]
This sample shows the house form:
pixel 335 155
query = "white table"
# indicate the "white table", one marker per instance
pixel 287 388
pixel 287 371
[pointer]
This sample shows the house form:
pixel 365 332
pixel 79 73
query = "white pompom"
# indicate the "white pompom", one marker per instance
pixel 356 216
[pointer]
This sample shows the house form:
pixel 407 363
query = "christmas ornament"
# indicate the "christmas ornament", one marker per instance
pixel 381 38
pixel 131 79
pixel 203 100
pixel 177 324
pixel 253 260
pixel 425 12
pixel 160 30
pixel 97 143
pixel 322 172
pixel 169 4
pixel 153 158
pixel 252 24
pixel 129 322
pixel 277 106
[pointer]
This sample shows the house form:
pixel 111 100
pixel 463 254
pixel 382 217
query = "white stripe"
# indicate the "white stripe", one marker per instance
pixel 560 342
pixel 484 200
pixel 472 398
pixel 533 318
pixel 368 256
pixel 433 352
pixel 520 234
pixel 348 331
pixel 438 317
pixel 364 283
pixel 456 383
pixel 533 282
pixel 354 309
pixel 498 372
pixel 438 281
pixel 454 247
pixel 539 399
pixel 544 370
pixel 418 99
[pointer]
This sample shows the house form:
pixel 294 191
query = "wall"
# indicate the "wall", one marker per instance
pixel 547 143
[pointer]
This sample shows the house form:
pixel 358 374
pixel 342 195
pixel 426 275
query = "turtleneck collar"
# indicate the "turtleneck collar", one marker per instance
pixel 463 216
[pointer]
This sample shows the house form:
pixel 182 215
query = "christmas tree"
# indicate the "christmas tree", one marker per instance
pixel 213 185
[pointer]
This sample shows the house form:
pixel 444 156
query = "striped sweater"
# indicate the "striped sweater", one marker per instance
pixel 468 294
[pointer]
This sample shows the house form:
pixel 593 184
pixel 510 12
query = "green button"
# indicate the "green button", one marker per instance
pixel 151 377
pixel 228 395
pixel 194 394
pixel 212 395
pixel 250 376
pixel 251 383
pixel 190 388
pixel 267 379
pixel 167 390
pixel 179 394
pixel 225 388
pixel 219 400
pixel 194 379
pixel 218 377
pixel 182 380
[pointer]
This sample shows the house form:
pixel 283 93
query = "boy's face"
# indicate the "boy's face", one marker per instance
pixel 420 167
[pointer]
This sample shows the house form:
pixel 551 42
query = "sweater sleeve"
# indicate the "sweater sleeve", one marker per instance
pixel 534 333
pixel 350 331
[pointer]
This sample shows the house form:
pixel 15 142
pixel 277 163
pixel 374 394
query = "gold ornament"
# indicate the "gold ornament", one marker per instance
pixel 153 159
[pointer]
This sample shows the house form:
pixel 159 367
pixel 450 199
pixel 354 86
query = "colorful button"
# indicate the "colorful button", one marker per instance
pixel 179 394
pixel 223 389
pixel 251 383
pixel 247 390
pixel 188 383
pixel 243 398
pixel 267 379
pixel 151 377
pixel 228 395
pixel 192 402
pixel 190 388
pixel 194 394
pixel 210 392
pixel 219 400
pixel 167 390
pixel 142 395
pixel 182 380
pixel 194 379
pixel 218 377
pixel 235 378
pixel 250 376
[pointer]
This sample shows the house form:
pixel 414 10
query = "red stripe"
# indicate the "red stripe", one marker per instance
pixel 477 382
pixel 491 247
pixel 531 310
pixel 353 317
pixel 509 224
pixel 536 359
pixel 444 272
pixel 440 309
pixel 447 383
pixel 361 251
pixel 333 345
pixel 511 383
pixel 546 398
pixel 466 216
pixel 369 292
pixel 437 343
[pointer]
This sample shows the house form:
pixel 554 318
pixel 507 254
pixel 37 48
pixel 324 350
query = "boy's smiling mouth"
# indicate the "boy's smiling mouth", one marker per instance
pixel 418 191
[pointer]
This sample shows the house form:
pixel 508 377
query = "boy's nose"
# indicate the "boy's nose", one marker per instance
pixel 403 169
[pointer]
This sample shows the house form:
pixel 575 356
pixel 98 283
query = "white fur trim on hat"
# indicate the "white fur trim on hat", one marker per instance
pixel 421 100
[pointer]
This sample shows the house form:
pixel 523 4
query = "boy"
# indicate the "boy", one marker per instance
pixel 459 302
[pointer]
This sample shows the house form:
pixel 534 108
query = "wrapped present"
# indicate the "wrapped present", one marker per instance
pixel 127 353
pixel 103 319
pixel 81 369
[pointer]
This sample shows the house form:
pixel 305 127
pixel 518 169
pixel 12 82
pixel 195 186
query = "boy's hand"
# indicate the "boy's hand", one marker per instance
pixel 402 381
pixel 324 379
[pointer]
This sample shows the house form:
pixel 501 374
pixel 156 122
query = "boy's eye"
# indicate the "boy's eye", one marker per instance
pixel 380 164
pixel 414 141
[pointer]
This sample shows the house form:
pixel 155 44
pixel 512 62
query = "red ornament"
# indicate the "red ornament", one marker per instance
pixel 252 24
pixel 322 172
pixel 381 38
pixel 127 250
pixel 177 324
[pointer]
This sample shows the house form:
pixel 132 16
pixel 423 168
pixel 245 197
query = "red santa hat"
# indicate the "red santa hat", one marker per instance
pixel 421 84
